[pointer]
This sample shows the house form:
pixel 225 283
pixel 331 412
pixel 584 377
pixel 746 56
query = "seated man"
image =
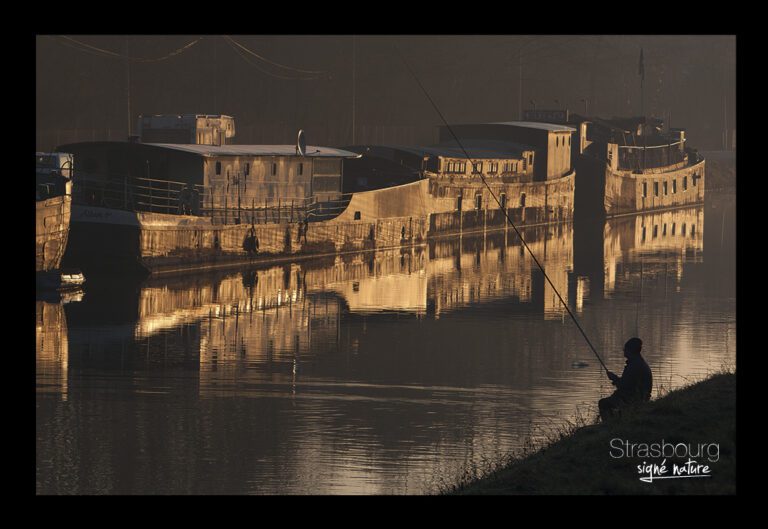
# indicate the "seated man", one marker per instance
pixel 633 386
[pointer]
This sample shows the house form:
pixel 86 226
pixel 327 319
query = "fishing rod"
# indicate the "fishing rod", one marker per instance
pixel 639 300
pixel 520 235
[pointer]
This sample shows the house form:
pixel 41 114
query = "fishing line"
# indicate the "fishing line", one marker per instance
pixel 639 300
pixel 520 235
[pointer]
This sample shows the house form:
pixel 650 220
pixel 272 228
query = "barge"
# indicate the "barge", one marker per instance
pixel 645 168
pixel 170 207
pixel 629 165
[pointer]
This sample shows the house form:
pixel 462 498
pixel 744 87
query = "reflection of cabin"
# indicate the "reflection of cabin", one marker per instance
pixel 225 176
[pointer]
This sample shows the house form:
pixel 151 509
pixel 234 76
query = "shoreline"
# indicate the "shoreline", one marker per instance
pixel 594 459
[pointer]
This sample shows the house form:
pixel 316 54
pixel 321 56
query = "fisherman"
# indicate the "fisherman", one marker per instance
pixel 633 386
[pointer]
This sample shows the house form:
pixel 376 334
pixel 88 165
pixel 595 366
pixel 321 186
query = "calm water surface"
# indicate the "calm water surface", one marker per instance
pixel 385 373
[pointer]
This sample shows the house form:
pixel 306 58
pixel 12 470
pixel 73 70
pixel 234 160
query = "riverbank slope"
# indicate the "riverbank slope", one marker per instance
pixel 582 463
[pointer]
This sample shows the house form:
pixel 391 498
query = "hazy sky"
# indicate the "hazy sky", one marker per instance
pixel 274 85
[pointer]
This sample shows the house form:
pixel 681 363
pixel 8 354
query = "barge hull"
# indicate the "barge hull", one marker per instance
pixel 52 219
pixel 624 190
pixel 108 240
pixel 104 240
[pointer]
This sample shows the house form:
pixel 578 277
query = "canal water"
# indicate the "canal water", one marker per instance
pixel 386 373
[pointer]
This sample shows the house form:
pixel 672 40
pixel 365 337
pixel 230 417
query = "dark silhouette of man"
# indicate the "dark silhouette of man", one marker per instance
pixel 251 242
pixel 305 229
pixel 633 386
pixel 185 200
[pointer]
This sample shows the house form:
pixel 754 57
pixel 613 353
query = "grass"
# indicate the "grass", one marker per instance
pixel 575 457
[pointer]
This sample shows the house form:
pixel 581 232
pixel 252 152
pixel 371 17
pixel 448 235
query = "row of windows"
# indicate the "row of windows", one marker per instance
pixel 273 169
pixel 568 140
pixel 479 201
pixel 665 186
pixel 673 229
pixel 457 167
pixel 493 167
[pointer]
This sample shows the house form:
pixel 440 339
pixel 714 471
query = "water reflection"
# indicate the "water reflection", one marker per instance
pixel 475 271
pixel 295 311
pixel 651 244
pixel 368 373
pixel 52 358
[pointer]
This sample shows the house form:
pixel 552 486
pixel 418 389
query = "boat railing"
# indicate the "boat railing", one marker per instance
pixel 180 198
pixel 651 159
pixel 649 147
pixel 328 209
pixel 128 193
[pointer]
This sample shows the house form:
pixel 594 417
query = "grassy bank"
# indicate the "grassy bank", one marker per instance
pixel 581 463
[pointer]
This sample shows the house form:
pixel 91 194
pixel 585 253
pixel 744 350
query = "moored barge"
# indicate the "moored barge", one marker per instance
pixel 168 207
pixel 630 165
